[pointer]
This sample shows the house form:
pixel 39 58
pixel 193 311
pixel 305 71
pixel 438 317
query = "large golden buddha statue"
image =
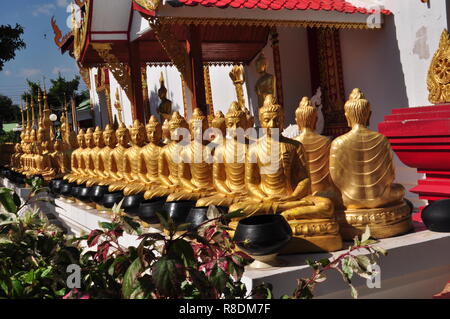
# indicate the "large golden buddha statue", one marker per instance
pixel 104 159
pixel 95 162
pixel 229 163
pixel 148 159
pixel 361 167
pixel 169 159
pixel 76 161
pixel 266 84
pixel 116 172
pixel 317 149
pixel 278 182
pixel 195 171
pixel 87 155
pixel 165 107
pixel 42 160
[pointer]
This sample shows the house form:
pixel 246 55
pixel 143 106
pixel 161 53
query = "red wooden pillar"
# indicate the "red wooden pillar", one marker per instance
pixel 196 61
pixel 137 104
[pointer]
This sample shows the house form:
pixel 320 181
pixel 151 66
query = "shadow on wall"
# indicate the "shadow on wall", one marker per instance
pixel 155 101
pixel 371 62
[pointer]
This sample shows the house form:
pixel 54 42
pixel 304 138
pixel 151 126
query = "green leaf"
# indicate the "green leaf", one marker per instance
pixel 7 200
pixel 324 262
pixel 108 226
pixel 353 291
pixel 380 250
pixel 182 250
pixel 130 282
pixel 163 219
pixel 363 261
pixel 166 277
pixel 219 278
pixel 235 214
pixel 366 235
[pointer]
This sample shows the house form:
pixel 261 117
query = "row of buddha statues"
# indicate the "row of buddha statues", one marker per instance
pixel 39 153
pixel 327 190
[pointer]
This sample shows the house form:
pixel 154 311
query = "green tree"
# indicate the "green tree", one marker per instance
pixel 10 42
pixel 8 111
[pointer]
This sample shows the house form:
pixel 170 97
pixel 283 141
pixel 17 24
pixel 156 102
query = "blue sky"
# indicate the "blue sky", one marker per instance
pixel 41 58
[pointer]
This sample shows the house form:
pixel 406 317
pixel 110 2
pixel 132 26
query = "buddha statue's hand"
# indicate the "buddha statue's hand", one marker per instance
pixel 272 198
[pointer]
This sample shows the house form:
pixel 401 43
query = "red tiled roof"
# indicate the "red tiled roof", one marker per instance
pixel 327 5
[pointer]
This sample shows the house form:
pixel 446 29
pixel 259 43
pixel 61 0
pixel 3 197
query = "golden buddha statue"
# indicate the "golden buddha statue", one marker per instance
pixel 168 162
pixel 266 84
pixel 76 161
pixel 165 107
pixel 104 158
pixel 58 159
pixel 278 182
pixel 166 132
pixel 87 158
pixel 195 172
pixel 15 158
pixel 148 159
pixel 42 160
pixel 134 172
pixel 229 163
pixel 116 172
pixel 317 149
pixel 219 122
pixel 95 159
pixel 361 167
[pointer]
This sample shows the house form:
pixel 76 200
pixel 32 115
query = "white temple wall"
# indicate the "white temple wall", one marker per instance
pixel 94 95
pixel 173 83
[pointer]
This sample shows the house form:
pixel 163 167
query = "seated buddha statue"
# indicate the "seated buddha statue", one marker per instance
pixel 76 160
pixel 103 160
pixel 58 159
pixel 229 163
pixel 195 171
pixel 95 157
pixel 87 156
pixel 15 158
pixel 165 107
pixel 278 182
pixel 361 167
pixel 266 84
pixel 116 166
pixel 168 161
pixel 32 151
pixel 317 151
pixel 42 158
pixel 134 172
pixel 148 159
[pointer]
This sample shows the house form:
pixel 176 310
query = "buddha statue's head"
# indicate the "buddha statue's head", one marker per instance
pixel 176 123
pixel 33 136
pixel 89 138
pixel 162 91
pixel 73 140
pixel 198 124
pixel 166 130
pixel 306 115
pixel 81 139
pixel 122 135
pixel 109 136
pixel 271 115
pixel 219 122
pixel 357 109
pixel 236 118
pixel 154 130
pixel 261 63
pixel 98 137
pixel 137 133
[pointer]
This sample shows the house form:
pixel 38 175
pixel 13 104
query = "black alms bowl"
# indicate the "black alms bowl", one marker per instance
pixel 109 199
pixel 436 216
pixel 55 185
pixel 131 203
pixel 97 193
pixel 149 208
pixel 85 194
pixel 198 215
pixel 263 234
pixel 179 210
pixel 66 188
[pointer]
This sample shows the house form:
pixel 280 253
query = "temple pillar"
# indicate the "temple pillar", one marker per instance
pixel 277 65
pixel 137 102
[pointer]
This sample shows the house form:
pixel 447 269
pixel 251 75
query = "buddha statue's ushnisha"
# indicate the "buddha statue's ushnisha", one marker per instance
pixel 76 161
pixel 229 163
pixel 195 171
pixel 317 149
pixel 266 84
pixel 169 159
pixel 116 172
pixel 361 167
pixel 134 170
pixel 165 107
pixel 278 182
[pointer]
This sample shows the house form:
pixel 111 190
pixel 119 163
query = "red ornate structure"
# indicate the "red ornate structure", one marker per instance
pixel 420 136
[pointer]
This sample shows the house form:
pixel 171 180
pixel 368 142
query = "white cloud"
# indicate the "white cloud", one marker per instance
pixel 62 3
pixel 57 70
pixel 30 72
pixel 46 8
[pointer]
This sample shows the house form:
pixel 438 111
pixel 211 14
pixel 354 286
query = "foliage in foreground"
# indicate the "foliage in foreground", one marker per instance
pixel 176 263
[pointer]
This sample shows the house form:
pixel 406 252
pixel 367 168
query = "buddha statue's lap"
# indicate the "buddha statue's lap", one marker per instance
pixel 281 185
pixel 367 187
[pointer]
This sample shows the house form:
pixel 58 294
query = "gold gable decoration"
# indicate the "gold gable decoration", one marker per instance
pixel 438 80
pixel 80 30
pixel 151 5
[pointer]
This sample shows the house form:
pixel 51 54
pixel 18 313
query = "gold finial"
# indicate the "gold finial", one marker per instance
pixel 118 106
pixel 306 114
pixel 21 113
pixel 161 81
pixel 438 79
pixel 46 108
pixel 40 103
pixel 33 120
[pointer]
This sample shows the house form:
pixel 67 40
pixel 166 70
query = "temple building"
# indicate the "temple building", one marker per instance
pixel 149 57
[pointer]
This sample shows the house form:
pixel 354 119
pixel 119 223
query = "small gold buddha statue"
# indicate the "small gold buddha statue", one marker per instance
pixel 58 159
pixel 104 159
pixel 278 182
pixel 168 162
pixel 266 84
pixel 148 159
pixel 166 132
pixel 116 172
pixel 134 171
pixel 165 107
pixel 195 171
pixel 362 168
pixel 95 159
pixel 87 157
pixel 229 163
pixel 15 158
pixel 317 150
pixel 76 161
pixel 42 159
